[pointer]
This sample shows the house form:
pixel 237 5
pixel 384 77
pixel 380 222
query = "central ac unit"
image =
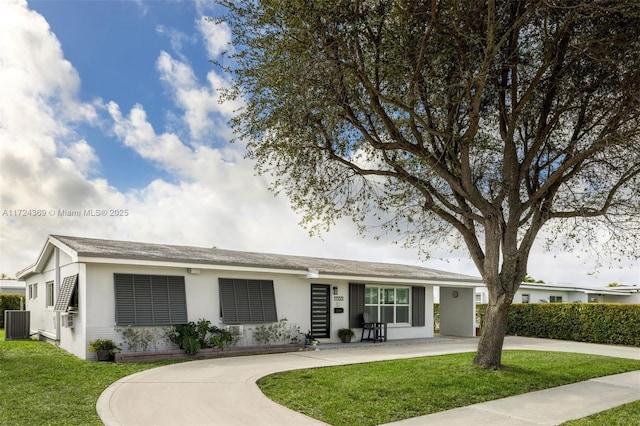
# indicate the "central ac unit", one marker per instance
pixel 236 330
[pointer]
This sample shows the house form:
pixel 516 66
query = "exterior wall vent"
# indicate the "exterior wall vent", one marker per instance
pixel 17 324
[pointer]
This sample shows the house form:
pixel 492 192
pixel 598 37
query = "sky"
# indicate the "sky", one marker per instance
pixel 111 110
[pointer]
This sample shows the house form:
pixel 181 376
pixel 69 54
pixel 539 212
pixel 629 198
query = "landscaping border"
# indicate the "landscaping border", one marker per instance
pixel 208 352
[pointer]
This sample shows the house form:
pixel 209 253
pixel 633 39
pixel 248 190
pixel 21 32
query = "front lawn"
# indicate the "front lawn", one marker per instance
pixel 381 392
pixel 624 415
pixel 44 385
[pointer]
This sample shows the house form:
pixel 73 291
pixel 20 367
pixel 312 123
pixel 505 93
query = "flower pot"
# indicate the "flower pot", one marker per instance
pixel 103 355
pixel 346 338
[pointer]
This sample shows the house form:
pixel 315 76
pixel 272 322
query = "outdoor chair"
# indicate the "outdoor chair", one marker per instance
pixel 378 329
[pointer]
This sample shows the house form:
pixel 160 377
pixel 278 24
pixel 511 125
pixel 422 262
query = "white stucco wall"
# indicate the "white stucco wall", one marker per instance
pixel 95 317
pixel 292 293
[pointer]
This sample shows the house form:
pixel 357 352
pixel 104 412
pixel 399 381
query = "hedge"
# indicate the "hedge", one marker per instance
pixel 9 302
pixel 608 323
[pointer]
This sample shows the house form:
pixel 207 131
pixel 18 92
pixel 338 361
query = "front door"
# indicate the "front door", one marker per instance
pixel 320 307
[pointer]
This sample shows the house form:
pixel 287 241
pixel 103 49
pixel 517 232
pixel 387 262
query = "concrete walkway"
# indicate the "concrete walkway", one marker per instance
pixel 224 391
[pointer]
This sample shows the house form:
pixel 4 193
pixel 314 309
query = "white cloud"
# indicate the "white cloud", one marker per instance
pixel 137 133
pixel 176 39
pixel 216 35
pixel 204 114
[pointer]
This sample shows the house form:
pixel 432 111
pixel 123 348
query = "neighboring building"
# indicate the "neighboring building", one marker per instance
pixel 12 287
pixel 83 289
pixel 548 293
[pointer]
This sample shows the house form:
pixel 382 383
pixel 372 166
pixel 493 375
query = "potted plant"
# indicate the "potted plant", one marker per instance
pixel 104 348
pixel 308 338
pixel 345 334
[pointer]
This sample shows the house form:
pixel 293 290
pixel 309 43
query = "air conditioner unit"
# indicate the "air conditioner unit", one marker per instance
pixel 67 320
pixel 236 330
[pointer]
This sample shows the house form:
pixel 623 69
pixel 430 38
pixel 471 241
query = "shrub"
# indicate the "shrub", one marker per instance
pixel 141 339
pixel 103 345
pixel 194 336
pixel 345 332
pixel 280 332
pixel 617 324
pixel 9 302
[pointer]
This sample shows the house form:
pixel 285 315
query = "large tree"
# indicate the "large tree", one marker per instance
pixel 486 120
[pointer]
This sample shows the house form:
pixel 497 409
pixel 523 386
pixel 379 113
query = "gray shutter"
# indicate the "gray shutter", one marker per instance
pixel 160 300
pixel 255 301
pixel 177 300
pixel 243 301
pixel 418 306
pixel 66 293
pixel 228 301
pixel 270 313
pixel 143 299
pixel 247 301
pixel 356 305
pixel 125 300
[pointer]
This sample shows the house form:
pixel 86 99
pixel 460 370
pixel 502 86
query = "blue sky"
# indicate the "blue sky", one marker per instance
pixel 114 47
pixel 114 106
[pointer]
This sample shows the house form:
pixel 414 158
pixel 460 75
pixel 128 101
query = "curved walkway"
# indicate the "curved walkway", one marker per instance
pixel 224 391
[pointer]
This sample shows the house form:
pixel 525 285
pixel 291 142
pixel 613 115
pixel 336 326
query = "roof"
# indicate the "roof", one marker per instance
pixel 619 291
pixel 87 248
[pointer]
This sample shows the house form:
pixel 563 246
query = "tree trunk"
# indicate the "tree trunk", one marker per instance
pixel 494 326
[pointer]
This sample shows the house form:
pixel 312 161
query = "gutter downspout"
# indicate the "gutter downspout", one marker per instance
pixel 57 290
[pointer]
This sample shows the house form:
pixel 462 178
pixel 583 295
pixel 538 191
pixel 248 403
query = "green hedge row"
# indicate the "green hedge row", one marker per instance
pixel 609 323
pixel 9 302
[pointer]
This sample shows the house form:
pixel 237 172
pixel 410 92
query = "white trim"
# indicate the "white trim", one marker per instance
pixel 391 280
pixel 165 264
pixel 304 273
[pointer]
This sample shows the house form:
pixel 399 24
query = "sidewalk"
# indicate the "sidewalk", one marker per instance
pixel 224 391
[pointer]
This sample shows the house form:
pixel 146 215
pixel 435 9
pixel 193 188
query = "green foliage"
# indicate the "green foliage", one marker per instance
pixel 460 124
pixel 617 324
pixel 103 345
pixel 388 391
pixel 9 302
pixel 191 345
pixel 194 336
pixel 624 415
pixel 279 332
pixel 345 332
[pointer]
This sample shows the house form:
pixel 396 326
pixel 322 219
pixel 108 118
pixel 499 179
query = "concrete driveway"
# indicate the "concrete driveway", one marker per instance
pixel 224 391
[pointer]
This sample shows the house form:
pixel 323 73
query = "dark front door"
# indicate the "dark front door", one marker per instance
pixel 320 306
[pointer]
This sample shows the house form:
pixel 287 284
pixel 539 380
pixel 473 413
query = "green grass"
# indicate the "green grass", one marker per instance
pixel 381 392
pixel 44 385
pixel 624 415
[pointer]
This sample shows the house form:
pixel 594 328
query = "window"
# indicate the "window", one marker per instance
pixel 525 298
pixel 593 298
pixel 50 293
pixel 33 291
pixel 387 304
pixel 150 299
pixel 247 301
pixel 555 299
